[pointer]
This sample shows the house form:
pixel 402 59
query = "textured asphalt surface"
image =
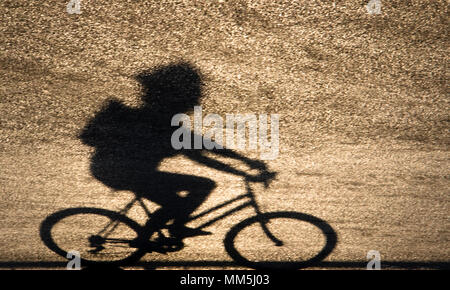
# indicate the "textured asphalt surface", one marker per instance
pixel 363 103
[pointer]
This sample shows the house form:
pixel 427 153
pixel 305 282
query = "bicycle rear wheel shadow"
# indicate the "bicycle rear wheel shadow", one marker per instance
pixel 274 240
pixel 101 236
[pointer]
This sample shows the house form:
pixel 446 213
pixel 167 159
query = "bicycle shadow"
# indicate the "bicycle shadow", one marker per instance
pixel 130 144
pixel 165 245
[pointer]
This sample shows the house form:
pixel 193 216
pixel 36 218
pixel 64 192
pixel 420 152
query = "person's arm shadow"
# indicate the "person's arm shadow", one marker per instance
pixel 197 155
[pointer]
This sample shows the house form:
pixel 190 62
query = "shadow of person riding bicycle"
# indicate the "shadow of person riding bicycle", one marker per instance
pixel 130 144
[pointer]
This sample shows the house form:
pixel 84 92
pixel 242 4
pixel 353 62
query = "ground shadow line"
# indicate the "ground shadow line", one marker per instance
pixel 436 265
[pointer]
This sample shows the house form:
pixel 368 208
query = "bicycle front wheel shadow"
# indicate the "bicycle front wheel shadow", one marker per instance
pixel 280 240
pixel 100 236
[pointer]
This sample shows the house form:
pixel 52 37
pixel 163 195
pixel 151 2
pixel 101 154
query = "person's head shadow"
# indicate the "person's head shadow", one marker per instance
pixel 171 89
